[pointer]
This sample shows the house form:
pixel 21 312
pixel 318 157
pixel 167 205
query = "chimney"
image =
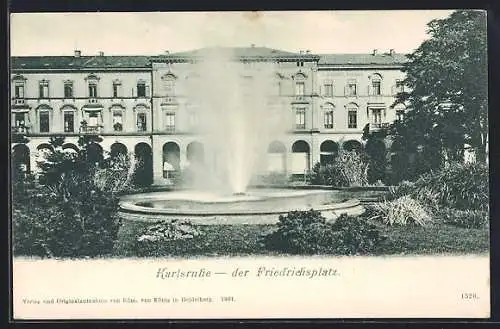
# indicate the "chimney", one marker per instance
pixel 392 52
pixel 101 53
pixel 375 52
pixel 253 45
pixel 308 51
pixel 78 53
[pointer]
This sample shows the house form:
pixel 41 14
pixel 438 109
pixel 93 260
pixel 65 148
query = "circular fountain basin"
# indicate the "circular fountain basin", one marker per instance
pixel 256 206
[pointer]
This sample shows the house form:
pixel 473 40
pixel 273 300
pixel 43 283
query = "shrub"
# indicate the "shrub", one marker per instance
pixel 48 226
pixel 307 232
pixel 401 211
pixel 75 213
pixel 349 168
pixel 460 186
pixel 476 219
pixel 162 237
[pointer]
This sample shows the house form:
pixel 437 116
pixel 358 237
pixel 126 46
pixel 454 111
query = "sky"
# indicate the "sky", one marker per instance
pixel 156 32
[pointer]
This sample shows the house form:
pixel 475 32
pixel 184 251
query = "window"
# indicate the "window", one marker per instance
pixel 92 90
pixel 19 90
pixel 399 86
pixel 68 89
pixel 400 115
pixel 300 118
pixel 19 119
pixel 352 118
pixel 299 88
pixel 376 87
pixel 117 120
pixel 116 89
pixel 300 63
pixel 44 122
pixel 141 89
pixel 329 119
pixel 352 89
pixel 170 121
pixel 141 122
pixel 377 116
pixel 69 122
pixel 328 89
pixel 93 119
pixel 44 89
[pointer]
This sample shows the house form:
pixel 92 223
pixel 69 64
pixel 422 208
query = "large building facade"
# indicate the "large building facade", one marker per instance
pixel 139 104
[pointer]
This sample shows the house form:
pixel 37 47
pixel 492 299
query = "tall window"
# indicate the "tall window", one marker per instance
pixel 19 119
pixel 93 119
pixel 352 118
pixel 68 89
pixel 170 121
pixel 377 116
pixel 400 115
pixel 19 90
pixel 44 122
pixel 300 118
pixel 44 89
pixel 69 121
pixel 376 87
pixel 169 84
pixel 399 86
pixel 328 119
pixel 141 89
pixel 92 90
pixel 116 89
pixel 328 89
pixel 300 88
pixel 141 122
pixel 117 120
pixel 352 88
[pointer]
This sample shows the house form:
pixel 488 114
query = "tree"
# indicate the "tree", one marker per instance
pixel 447 79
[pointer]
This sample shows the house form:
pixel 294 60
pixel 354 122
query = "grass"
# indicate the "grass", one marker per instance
pixel 242 240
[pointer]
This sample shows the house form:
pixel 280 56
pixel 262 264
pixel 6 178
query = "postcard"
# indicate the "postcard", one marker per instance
pixel 249 165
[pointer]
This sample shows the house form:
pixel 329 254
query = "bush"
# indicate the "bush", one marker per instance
pixel 162 237
pixel 475 219
pixel 47 226
pixel 349 168
pixel 75 213
pixel 307 232
pixel 460 186
pixel 401 211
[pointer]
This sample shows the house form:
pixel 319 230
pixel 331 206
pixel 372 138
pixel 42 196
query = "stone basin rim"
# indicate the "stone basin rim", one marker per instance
pixel 133 208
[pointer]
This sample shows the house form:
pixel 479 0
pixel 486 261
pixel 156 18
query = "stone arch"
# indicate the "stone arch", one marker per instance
pixel 20 159
pixel 171 158
pixel 95 153
pixel 276 157
pixel 328 151
pixel 195 152
pixel 118 148
pixel 351 145
pixel 300 157
pixel 144 172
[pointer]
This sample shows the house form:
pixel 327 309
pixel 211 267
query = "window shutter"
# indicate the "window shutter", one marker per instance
pixel 369 89
pixel 346 90
pixel 134 92
pixel 320 90
pixel 393 90
pixel 147 91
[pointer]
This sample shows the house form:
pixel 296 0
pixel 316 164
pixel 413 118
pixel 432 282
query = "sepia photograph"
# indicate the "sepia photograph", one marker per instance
pixel 253 164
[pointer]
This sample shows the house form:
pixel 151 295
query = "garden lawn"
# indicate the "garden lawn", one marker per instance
pixel 241 240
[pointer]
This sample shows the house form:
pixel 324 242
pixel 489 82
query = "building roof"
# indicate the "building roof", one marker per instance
pixel 238 52
pixel 127 62
pixel 83 62
pixel 362 59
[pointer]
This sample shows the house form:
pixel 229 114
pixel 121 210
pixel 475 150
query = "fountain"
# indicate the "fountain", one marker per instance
pixel 238 125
